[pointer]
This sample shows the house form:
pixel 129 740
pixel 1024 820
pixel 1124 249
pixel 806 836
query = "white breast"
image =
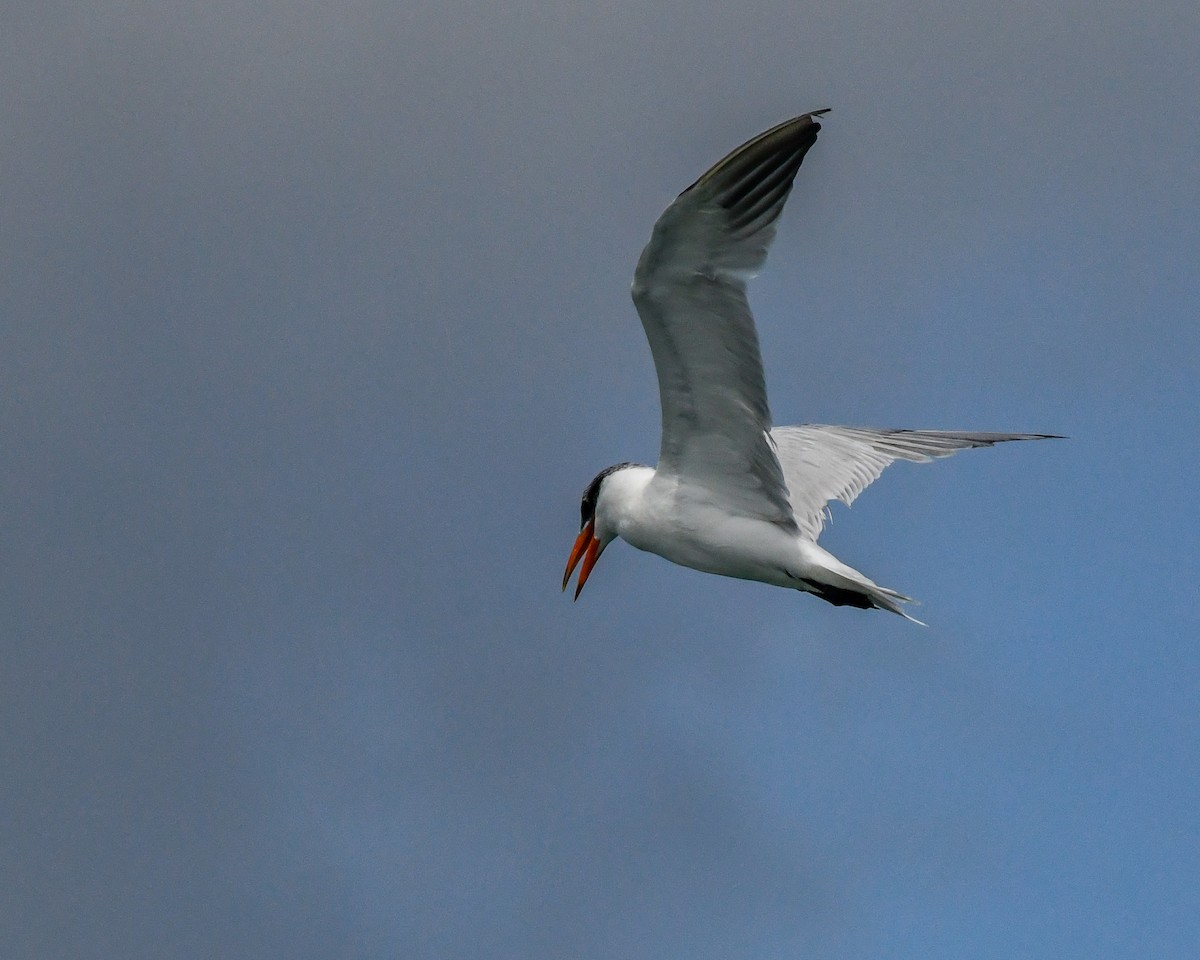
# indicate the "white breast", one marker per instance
pixel 665 517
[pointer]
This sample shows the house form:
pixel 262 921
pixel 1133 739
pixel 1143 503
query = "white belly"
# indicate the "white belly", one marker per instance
pixel 709 540
pixel 688 528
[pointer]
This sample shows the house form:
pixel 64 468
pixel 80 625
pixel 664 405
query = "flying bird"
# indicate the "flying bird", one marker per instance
pixel 733 495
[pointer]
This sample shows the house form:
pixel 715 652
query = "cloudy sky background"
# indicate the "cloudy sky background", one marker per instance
pixel 315 323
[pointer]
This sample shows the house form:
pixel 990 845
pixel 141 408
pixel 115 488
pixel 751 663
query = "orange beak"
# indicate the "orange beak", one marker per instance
pixel 587 548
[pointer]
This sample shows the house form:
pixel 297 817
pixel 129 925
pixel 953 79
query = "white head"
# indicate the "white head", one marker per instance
pixel 596 527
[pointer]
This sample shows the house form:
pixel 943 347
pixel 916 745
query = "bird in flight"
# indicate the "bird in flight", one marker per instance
pixel 733 495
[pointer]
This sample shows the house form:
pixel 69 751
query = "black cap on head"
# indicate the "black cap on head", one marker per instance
pixel 587 506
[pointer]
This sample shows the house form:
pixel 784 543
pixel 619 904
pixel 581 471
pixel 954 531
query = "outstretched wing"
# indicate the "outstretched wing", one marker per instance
pixel 822 463
pixel 690 291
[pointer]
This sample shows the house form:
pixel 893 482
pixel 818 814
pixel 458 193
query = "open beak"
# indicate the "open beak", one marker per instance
pixel 588 549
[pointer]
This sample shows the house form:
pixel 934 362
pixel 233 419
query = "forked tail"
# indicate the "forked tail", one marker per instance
pixel 834 582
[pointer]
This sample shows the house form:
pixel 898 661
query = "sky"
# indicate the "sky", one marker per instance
pixel 315 327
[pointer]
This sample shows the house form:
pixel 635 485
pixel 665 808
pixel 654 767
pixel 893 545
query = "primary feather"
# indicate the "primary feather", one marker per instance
pixel 822 463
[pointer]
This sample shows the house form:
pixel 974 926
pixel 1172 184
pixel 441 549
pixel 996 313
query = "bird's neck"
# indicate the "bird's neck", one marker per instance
pixel 622 500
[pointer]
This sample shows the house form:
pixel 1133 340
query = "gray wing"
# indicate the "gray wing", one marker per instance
pixel 690 291
pixel 822 463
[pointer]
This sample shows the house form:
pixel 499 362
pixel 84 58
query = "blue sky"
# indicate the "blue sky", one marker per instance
pixel 316 326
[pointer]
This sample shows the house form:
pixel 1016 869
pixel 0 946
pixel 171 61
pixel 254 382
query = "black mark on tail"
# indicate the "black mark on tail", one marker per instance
pixel 838 596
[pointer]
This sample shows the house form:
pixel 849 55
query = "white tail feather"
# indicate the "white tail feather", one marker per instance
pixel 837 583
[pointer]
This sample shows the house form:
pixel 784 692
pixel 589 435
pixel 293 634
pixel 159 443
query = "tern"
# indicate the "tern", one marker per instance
pixel 733 495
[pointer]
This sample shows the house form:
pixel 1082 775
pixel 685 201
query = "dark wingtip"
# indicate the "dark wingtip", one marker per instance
pixel 812 115
pixel 790 139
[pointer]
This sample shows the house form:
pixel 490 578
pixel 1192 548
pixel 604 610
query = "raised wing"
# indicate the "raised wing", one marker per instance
pixel 822 463
pixel 690 291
